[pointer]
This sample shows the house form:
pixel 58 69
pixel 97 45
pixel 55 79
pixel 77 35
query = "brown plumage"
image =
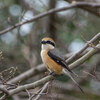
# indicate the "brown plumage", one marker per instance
pixel 51 64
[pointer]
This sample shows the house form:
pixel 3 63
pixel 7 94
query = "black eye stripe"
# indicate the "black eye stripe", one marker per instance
pixel 48 42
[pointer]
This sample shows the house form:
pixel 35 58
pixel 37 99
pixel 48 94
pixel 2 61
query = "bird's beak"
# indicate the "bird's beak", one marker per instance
pixel 43 42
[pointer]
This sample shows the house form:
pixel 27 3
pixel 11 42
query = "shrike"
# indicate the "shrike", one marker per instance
pixel 54 61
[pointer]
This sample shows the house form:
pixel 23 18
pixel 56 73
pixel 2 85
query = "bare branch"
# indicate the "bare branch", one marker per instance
pixel 4 97
pixel 43 89
pixel 4 90
pixel 85 57
pixel 29 73
pixel 31 85
pixel 95 38
pixel 6 93
pixel 75 5
pixel 93 74
pixel 93 11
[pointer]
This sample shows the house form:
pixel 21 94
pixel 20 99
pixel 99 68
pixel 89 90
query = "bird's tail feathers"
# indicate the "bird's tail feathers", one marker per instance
pixel 69 74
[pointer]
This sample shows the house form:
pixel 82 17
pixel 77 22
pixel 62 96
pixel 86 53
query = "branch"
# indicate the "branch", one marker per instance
pixel 24 76
pixel 97 36
pixel 43 89
pixel 4 90
pixel 31 72
pixel 6 93
pixel 85 57
pixel 93 11
pixel 31 85
pixel 75 5
pixel 4 97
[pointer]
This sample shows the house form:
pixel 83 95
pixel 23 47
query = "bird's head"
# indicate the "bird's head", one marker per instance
pixel 47 43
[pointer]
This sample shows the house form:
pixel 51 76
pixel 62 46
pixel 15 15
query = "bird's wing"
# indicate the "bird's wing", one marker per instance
pixel 58 58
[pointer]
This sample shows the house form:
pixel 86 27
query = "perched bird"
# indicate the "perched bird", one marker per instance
pixel 54 61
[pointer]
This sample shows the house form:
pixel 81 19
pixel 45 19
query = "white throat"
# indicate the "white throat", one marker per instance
pixel 47 47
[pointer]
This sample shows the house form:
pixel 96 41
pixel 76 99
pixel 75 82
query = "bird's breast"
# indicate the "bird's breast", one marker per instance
pixel 44 56
pixel 50 63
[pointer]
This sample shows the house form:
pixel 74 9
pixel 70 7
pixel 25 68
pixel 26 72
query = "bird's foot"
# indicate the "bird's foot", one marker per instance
pixel 52 73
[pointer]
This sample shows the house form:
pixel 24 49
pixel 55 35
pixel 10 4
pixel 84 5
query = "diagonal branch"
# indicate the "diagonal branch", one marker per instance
pixel 75 5
pixel 89 9
pixel 43 89
pixel 31 72
pixel 4 90
pixel 85 57
pixel 95 38
pixel 6 93
pixel 31 85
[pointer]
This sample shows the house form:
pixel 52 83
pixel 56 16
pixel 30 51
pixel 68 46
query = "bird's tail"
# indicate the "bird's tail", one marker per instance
pixel 69 74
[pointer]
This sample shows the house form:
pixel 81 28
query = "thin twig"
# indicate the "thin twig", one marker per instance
pixel 43 89
pixel 90 44
pixel 28 93
pixel 95 38
pixel 35 94
pixel 84 57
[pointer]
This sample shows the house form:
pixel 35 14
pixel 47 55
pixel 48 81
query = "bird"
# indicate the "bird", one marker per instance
pixel 54 61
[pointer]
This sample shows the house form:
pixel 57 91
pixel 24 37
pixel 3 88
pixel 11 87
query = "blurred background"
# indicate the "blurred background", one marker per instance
pixel 70 29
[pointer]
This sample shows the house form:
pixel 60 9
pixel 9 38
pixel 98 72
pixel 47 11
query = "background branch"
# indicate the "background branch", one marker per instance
pixel 95 38
pixel 77 4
